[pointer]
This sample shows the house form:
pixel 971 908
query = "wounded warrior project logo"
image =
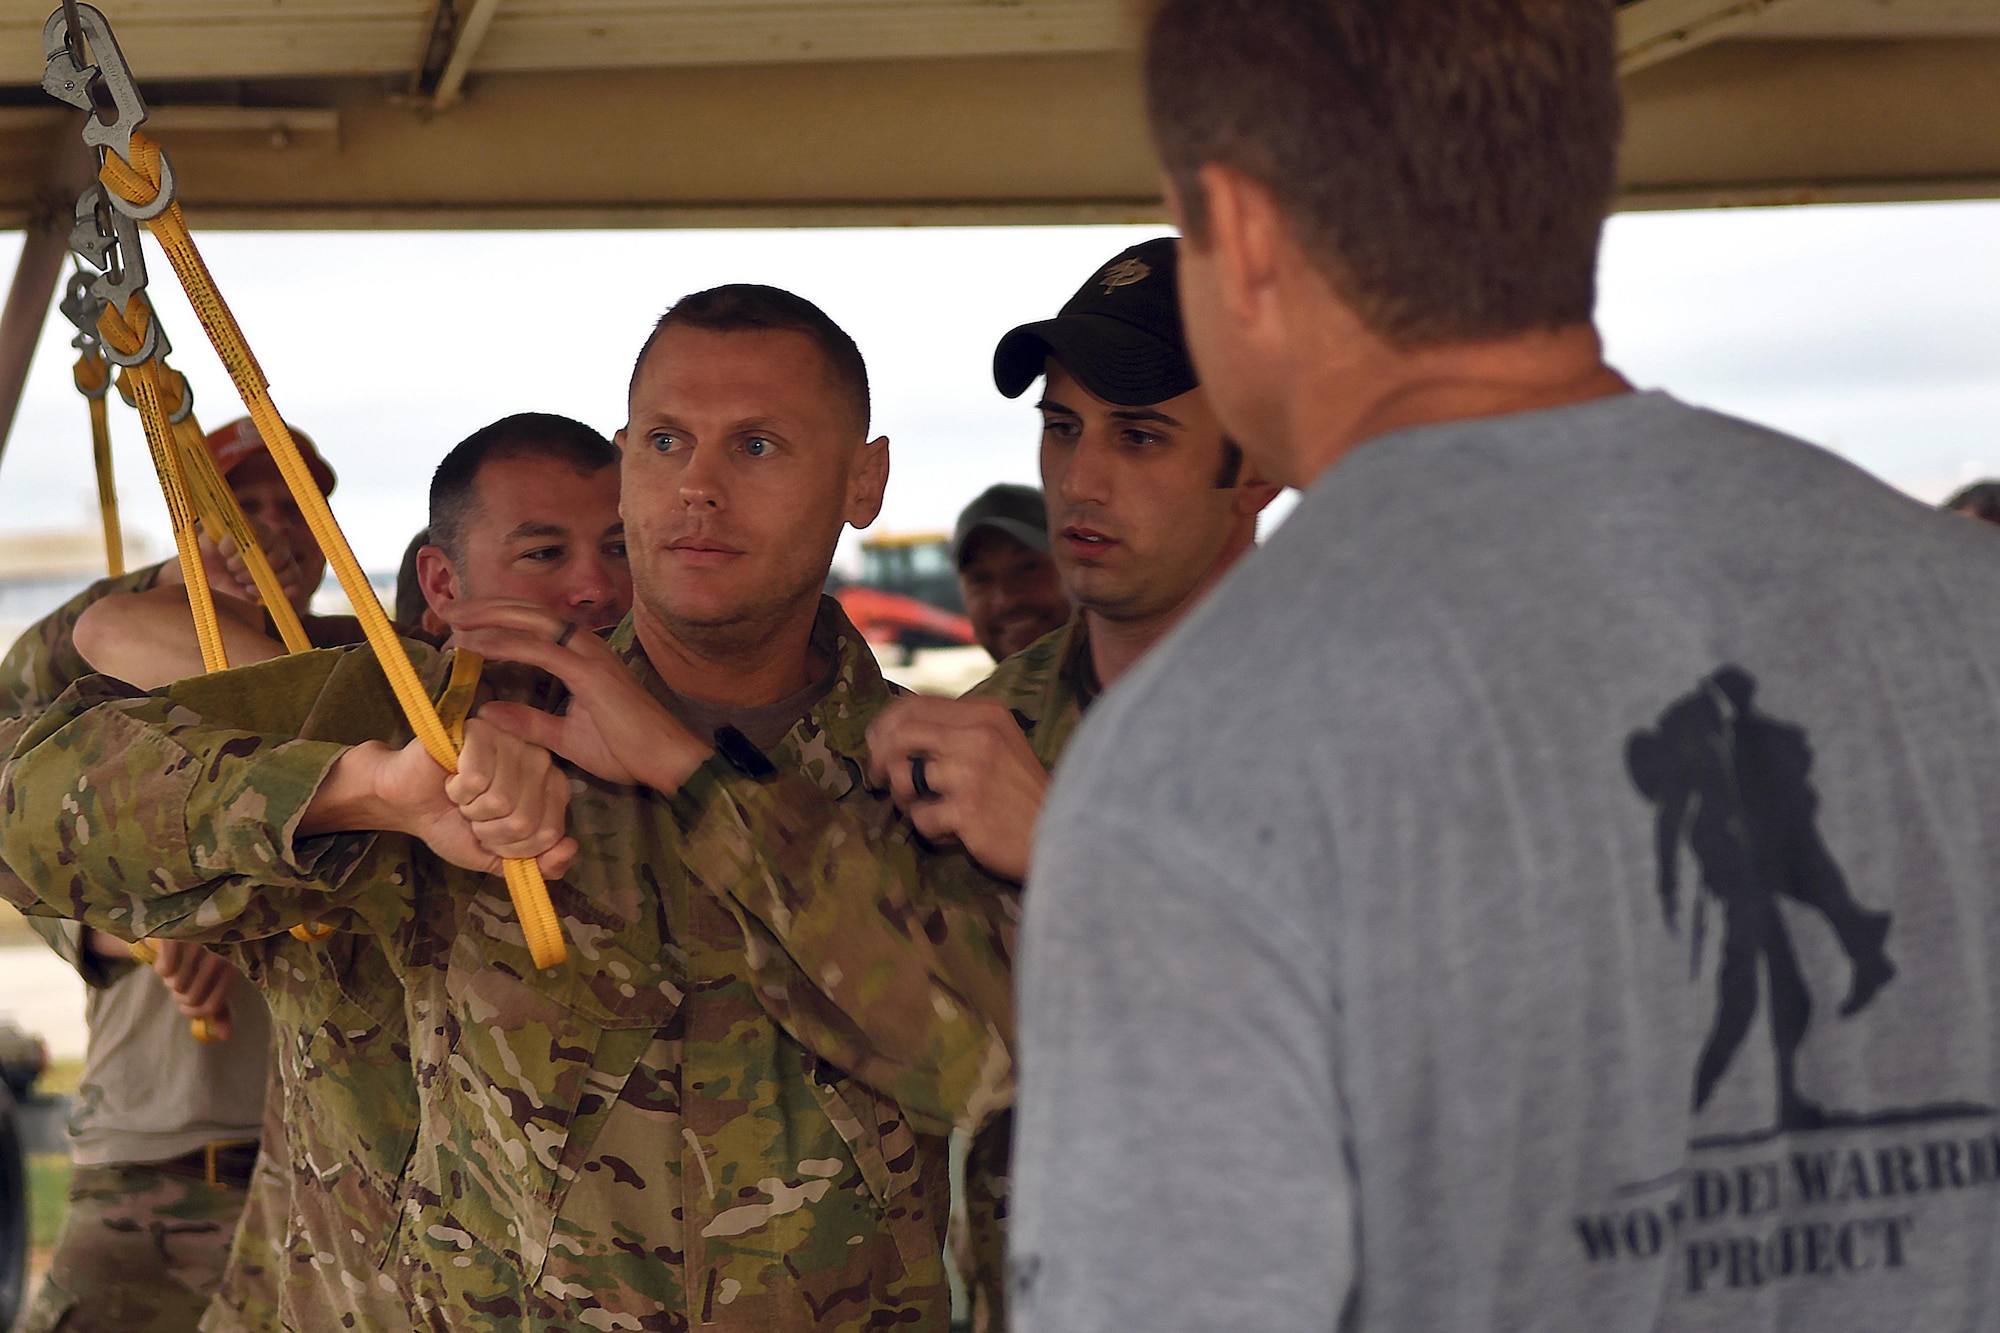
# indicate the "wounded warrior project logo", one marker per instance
pixel 1730 785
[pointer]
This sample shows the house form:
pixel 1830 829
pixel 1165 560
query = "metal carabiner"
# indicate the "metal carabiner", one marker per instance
pixel 85 86
pixel 109 240
pixel 80 306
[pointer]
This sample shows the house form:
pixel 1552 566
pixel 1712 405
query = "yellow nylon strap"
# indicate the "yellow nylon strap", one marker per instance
pixel 220 514
pixel 138 182
pixel 216 506
pixel 126 332
pixel 455 704
pixel 93 379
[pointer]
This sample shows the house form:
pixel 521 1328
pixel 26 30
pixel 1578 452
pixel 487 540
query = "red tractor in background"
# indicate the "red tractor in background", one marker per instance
pixel 907 595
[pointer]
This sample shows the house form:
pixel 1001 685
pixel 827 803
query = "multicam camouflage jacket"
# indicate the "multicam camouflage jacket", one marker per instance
pixel 725 1110
pixel 1048 684
pixel 324 1228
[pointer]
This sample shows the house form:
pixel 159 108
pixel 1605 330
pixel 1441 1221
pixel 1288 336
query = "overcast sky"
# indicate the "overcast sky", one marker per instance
pixel 1872 330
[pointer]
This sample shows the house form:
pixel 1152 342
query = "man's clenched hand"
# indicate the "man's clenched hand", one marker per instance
pixel 199 981
pixel 986 785
pixel 506 800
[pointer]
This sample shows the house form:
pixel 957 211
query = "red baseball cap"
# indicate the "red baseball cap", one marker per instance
pixel 240 441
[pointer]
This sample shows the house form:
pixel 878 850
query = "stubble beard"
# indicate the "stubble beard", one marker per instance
pixel 745 631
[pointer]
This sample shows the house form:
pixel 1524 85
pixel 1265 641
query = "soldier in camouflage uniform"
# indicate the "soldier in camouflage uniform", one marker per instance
pixel 727 1108
pixel 1148 507
pixel 317 1226
pixel 144 1243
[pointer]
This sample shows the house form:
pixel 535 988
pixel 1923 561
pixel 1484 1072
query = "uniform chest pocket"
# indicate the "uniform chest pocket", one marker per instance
pixel 527 1064
pixel 355 1123
pixel 905 1171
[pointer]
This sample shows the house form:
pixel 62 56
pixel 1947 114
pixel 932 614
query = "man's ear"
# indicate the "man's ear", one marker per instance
pixel 1243 239
pixel 1254 492
pixel 437 577
pixel 618 438
pixel 1254 495
pixel 867 481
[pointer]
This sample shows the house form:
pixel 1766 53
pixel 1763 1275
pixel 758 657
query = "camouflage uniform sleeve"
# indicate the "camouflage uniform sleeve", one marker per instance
pixel 176 813
pixel 893 962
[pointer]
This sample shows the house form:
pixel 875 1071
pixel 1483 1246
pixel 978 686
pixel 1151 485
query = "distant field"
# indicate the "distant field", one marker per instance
pixel 48 1196
pixel 61 1076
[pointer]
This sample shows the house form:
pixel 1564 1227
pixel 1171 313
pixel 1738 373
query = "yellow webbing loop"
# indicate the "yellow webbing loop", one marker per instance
pixel 93 379
pixel 220 514
pixel 138 182
pixel 126 332
pixel 216 506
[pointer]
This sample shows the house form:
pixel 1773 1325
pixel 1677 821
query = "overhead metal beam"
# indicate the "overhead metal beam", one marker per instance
pixel 1650 31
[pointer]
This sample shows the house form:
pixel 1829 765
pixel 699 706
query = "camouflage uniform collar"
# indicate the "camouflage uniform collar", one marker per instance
pixel 841 717
pixel 1078 672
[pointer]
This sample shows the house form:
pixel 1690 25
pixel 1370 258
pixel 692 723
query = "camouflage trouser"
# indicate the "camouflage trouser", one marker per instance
pixel 247 1299
pixel 140 1252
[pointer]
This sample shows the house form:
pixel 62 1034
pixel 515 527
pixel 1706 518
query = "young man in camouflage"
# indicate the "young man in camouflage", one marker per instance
pixel 1149 504
pixel 529 506
pixel 728 1106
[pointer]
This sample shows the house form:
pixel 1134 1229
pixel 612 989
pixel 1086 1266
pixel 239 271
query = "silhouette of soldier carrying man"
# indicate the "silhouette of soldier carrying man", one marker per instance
pixel 1733 781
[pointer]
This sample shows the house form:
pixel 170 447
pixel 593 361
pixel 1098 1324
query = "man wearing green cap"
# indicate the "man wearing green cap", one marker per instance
pixel 1149 504
pixel 1013 592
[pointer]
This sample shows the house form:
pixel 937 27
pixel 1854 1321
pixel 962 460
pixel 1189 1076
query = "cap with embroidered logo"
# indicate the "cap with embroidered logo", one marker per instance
pixel 1120 335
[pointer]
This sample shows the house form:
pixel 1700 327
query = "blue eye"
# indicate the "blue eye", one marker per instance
pixel 756 446
pixel 664 442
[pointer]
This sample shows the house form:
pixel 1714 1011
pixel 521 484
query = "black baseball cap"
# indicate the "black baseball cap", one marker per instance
pixel 1017 510
pixel 1120 335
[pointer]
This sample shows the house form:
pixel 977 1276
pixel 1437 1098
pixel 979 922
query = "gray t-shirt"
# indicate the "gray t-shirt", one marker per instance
pixel 149 1091
pixel 1555 884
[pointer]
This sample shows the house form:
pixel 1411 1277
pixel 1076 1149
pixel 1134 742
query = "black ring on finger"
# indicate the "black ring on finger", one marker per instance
pixel 917 779
pixel 563 637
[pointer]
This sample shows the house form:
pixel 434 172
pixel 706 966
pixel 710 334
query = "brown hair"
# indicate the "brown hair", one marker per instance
pixel 741 307
pixel 1448 164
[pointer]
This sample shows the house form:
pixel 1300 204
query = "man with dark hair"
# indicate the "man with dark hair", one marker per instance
pixel 528 508
pixel 748 307
pixel 1000 547
pixel 413 614
pixel 1349 997
pixel 727 1108
pixel 1152 506
pixel 1980 500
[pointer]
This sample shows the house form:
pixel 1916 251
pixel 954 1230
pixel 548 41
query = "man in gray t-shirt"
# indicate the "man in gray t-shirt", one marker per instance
pixel 1580 913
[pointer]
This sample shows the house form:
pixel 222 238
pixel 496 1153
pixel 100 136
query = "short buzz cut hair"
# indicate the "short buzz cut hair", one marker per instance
pixel 1446 164
pixel 1981 500
pixel 523 435
pixel 746 307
